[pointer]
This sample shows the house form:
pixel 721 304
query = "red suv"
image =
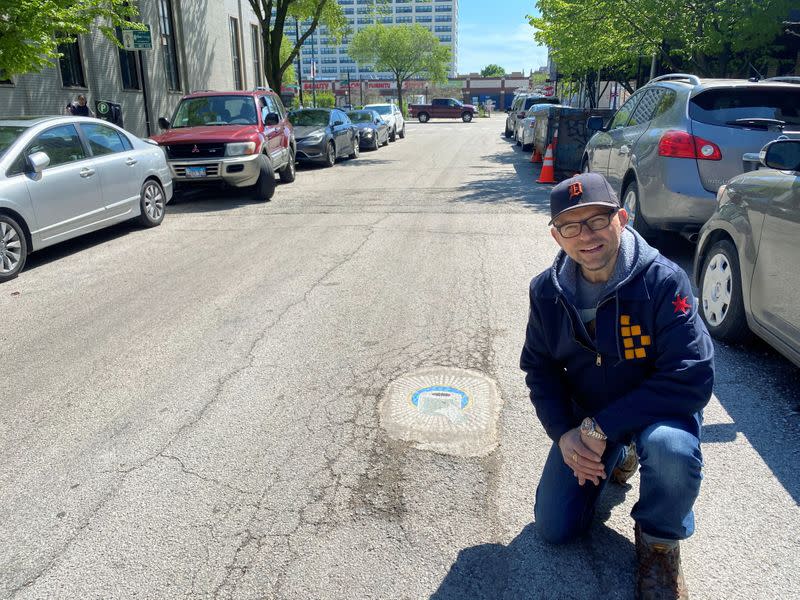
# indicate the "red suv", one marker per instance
pixel 238 138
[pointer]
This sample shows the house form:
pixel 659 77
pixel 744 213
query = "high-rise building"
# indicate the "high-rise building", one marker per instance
pixel 332 60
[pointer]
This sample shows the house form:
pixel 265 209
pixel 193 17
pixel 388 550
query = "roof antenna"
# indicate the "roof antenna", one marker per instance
pixel 760 76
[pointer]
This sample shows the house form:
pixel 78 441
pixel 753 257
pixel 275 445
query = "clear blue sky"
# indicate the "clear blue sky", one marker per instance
pixel 496 31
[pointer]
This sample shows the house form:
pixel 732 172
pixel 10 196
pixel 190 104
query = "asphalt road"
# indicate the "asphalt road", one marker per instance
pixel 192 411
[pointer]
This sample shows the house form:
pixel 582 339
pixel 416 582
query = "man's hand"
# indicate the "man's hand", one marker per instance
pixel 583 455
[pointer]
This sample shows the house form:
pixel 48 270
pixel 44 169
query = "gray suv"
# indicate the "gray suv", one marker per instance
pixel 520 106
pixel 675 141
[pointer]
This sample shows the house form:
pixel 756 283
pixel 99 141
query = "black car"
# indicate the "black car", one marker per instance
pixel 373 131
pixel 323 135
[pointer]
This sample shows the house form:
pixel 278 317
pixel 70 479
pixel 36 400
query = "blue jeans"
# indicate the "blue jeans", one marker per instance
pixel 670 474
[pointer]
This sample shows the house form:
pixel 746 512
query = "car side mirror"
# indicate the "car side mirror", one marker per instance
pixel 594 123
pixel 164 123
pixel 271 119
pixel 39 161
pixel 783 155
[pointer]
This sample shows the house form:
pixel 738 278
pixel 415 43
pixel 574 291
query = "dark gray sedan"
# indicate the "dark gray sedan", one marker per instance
pixel 747 263
pixel 323 135
pixel 373 131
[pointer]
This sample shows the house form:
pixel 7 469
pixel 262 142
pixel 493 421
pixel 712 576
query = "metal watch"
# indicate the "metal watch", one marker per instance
pixel 589 428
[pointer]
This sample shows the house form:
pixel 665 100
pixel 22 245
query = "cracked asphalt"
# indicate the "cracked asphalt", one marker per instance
pixel 192 411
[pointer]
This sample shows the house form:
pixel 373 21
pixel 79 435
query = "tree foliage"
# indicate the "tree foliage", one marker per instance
pixel 493 71
pixel 280 26
pixel 708 37
pixel 406 51
pixel 31 30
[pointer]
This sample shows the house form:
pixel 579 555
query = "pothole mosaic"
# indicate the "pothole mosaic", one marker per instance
pixel 448 410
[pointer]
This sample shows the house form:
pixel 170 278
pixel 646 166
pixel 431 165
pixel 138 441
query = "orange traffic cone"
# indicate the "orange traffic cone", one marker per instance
pixel 555 139
pixel 548 174
pixel 536 156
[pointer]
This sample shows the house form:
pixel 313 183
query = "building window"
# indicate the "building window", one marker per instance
pixel 127 66
pixel 235 55
pixel 403 19
pixel 424 19
pixel 445 38
pixel 420 9
pixel 168 44
pixel 443 28
pixel 256 38
pixel 403 9
pixel 444 8
pixel 71 65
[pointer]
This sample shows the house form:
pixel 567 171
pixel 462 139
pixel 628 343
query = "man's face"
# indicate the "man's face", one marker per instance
pixel 594 251
pixel 81 100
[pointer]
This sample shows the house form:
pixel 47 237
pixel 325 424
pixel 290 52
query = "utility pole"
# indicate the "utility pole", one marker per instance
pixel 349 100
pixel 299 62
pixel 314 68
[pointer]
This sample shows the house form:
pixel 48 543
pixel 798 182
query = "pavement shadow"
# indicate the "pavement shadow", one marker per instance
pixel 488 186
pixel 600 565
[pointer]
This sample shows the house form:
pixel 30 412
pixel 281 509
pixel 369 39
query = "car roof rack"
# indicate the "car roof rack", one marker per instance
pixel 262 88
pixel 694 79
pixel 784 79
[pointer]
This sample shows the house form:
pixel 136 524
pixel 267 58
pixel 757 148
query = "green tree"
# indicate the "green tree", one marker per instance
pixel 406 51
pixel 30 31
pixel 280 26
pixel 493 71
pixel 326 100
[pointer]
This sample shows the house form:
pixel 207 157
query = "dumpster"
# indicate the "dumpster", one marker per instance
pixel 572 135
pixel 109 111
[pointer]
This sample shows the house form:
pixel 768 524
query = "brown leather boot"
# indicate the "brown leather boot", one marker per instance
pixel 659 576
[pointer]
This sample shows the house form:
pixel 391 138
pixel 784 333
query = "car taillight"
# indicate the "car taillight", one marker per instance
pixel 680 144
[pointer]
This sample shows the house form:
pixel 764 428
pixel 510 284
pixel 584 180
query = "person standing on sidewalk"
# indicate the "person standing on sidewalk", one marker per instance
pixel 618 362
pixel 79 108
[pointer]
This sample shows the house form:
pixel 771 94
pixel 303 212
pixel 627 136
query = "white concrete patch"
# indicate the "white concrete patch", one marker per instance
pixel 447 410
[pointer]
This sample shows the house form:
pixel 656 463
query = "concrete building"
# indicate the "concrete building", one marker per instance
pixel 331 60
pixel 196 45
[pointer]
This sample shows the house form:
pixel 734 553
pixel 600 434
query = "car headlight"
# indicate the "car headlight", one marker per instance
pixel 240 149
pixel 721 193
pixel 314 137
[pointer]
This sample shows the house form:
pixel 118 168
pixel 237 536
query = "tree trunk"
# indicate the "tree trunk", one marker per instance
pixel 399 92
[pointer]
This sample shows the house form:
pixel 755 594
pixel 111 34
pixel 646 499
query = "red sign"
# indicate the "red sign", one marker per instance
pixel 320 85
pixel 379 85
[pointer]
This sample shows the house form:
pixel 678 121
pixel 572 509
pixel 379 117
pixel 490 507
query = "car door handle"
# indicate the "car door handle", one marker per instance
pixel 624 150
pixel 131 161
pixel 86 172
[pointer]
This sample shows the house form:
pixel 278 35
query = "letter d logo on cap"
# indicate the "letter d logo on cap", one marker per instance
pixel 575 189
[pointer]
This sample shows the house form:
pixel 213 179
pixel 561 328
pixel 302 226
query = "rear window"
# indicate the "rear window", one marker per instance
pixel 724 106
pixel 531 101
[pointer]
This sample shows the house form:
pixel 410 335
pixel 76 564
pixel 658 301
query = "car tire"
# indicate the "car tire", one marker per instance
pixel 13 248
pixel 516 138
pixel 377 143
pixel 356 150
pixel 508 132
pixel 402 132
pixel 330 156
pixel 466 117
pixel 265 186
pixel 393 135
pixel 289 172
pixel 152 204
pixel 631 204
pixel 424 117
pixel 721 301
pixel 386 141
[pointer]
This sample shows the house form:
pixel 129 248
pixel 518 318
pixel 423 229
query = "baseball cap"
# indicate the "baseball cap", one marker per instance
pixel 584 189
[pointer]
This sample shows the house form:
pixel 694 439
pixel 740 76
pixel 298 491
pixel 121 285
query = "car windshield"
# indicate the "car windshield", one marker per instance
pixel 215 110
pixel 309 118
pixel 747 107
pixel 360 117
pixel 9 135
pixel 384 109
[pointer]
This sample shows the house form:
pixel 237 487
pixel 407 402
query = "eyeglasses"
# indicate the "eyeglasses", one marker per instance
pixel 595 223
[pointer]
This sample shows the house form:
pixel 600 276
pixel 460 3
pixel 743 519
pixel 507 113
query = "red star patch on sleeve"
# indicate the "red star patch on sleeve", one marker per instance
pixel 681 304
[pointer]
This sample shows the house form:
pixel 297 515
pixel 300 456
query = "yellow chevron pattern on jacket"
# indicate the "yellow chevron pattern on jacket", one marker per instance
pixel 633 341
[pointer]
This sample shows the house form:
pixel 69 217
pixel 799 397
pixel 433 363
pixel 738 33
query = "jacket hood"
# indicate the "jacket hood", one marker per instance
pixel 635 255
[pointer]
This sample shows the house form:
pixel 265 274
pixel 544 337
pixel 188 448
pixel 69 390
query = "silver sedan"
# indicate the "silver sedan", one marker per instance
pixel 61 177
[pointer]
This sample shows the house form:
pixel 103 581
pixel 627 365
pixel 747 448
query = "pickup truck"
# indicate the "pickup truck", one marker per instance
pixel 445 108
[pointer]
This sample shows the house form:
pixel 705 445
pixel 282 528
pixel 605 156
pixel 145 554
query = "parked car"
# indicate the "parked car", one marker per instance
pixel 323 135
pixel 520 106
pixel 524 131
pixel 237 138
pixel 61 177
pixel 442 108
pixel 372 130
pixel 393 117
pixel 746 263
pixel 678 138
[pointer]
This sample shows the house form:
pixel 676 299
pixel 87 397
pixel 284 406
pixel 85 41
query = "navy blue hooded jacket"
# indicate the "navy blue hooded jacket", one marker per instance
pixel 651 359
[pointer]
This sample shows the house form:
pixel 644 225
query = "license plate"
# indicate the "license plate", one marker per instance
pixel 195 171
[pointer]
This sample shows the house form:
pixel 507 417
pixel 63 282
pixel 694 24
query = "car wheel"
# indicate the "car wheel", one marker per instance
pixel 393 135
pixel 152 203
pixel 466 117
pixel 330 157
pixel 632 206
pixel 721 303
pixel 13 248
pixel 508 132
pixel 377 143
pixel 423 117
pixel 516 137
pixel 289 172
pixel 402 132
pixel 356 150
pixel 386 141
pixel 265 186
